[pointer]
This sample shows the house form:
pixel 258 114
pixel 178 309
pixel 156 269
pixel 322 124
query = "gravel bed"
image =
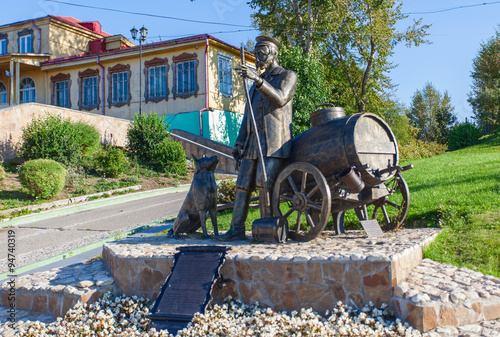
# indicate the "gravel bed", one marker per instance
pixel 126 316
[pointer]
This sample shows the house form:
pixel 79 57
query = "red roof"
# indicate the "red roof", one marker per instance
pixel 93 26
pixel 144 46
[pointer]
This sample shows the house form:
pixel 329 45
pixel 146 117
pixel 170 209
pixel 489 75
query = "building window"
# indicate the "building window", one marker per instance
pixel 25 41
pixel 185 75
pixel 226 75
pixel 88 89
pixel 27 90
pixel 3 43
pixel 60 85
pixel 3 93
pixel 156 71
pixel 119 85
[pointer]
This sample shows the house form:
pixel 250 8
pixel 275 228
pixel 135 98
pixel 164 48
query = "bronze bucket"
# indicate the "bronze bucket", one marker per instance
pixel 352 180
pixel 270 229
pixel 327 114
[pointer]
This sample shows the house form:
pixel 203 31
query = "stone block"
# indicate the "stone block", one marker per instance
pixel 308 293
pixel 466 316
pixel 369 267
pixel 356 299
pixel 447 317
pixel 352 279
pixel 289 300
pixel 150 279
pixel 314 273
pixel 40 303
pixel 55 306
pixel 429 318
pixel 333 271
pixel 491 311
pixel 243 271
pixel 24 301
pixel 68 303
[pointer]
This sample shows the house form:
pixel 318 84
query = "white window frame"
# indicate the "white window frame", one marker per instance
pixel 119 87
pixel 29 91
pixel 186 77
pixel 90 91
pixel 157 86
pixel 61 94
pixel 225 63
pixel 3 46
pixel 3 94
pixel 26 43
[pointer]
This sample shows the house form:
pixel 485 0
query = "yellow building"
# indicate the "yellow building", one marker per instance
pixel 65 62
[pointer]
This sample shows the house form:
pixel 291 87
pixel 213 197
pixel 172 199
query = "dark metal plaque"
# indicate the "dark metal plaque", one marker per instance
pixel 188 288
pixel 372 228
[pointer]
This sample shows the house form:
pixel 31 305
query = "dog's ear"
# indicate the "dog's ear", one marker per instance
pixel 195 159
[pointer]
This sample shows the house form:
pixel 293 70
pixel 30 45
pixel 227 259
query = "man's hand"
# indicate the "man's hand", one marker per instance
pixel 237 156
pixel 237 152
pixel 247 72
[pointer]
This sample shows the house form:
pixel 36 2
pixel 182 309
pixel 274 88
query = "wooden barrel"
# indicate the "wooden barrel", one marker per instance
pixel 349 141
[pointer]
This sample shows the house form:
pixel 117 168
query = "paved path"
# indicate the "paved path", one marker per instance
pixel 65 230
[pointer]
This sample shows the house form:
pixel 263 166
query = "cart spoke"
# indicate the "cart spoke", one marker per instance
pixel 299 219
pixel 292 183
pixel 286 197
pixel 393 204
pixel 304 180
pixel 311 192
pixel 310 221
pixel 312 205
pixel 386 216
pixel 287 214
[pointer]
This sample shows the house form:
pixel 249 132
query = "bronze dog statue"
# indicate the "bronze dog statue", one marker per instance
pixel 201 198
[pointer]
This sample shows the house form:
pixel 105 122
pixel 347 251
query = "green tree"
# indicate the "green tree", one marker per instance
pixel 358 37
pixel 396 115
pixel 432 114
pixel 295 22
pixel 312 86
pixel 485 95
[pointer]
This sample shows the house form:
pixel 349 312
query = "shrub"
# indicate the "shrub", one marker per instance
pixel 226 191
pixel 112 161
pixel 43 178
pixel 169 156
pixel 416 148
pixel 87 137
pixel 2 172
pixel 463 135
pixel 53 137
pixel 144 134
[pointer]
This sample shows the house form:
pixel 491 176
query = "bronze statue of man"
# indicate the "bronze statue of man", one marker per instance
pixel 271 98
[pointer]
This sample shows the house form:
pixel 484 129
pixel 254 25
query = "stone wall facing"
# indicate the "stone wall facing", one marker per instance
pixel 13 119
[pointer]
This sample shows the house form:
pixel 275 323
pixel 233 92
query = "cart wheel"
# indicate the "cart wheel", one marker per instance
pixel 301 195
pixel 338 222
pixel 391 211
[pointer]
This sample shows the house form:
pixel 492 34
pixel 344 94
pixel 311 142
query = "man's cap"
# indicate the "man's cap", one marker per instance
pixel 267 39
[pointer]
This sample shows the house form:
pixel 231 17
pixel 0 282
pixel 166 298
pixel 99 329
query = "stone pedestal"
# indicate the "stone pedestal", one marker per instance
pixel 349 268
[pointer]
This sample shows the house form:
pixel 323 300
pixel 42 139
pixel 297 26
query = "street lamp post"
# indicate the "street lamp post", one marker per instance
pixel 144 33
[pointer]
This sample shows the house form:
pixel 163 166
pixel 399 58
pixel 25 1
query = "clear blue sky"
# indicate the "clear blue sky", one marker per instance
pixel 456 35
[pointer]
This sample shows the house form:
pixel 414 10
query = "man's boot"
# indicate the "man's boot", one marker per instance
pixel 240 212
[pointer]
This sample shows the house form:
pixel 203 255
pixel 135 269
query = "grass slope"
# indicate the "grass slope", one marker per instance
pixel 460 192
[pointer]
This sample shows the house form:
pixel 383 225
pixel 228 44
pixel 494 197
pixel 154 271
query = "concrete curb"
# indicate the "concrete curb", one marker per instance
pixel 67 202
pixel 74 252
pixel 90 205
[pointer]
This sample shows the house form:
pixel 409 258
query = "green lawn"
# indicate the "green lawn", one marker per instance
pixel 458 191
